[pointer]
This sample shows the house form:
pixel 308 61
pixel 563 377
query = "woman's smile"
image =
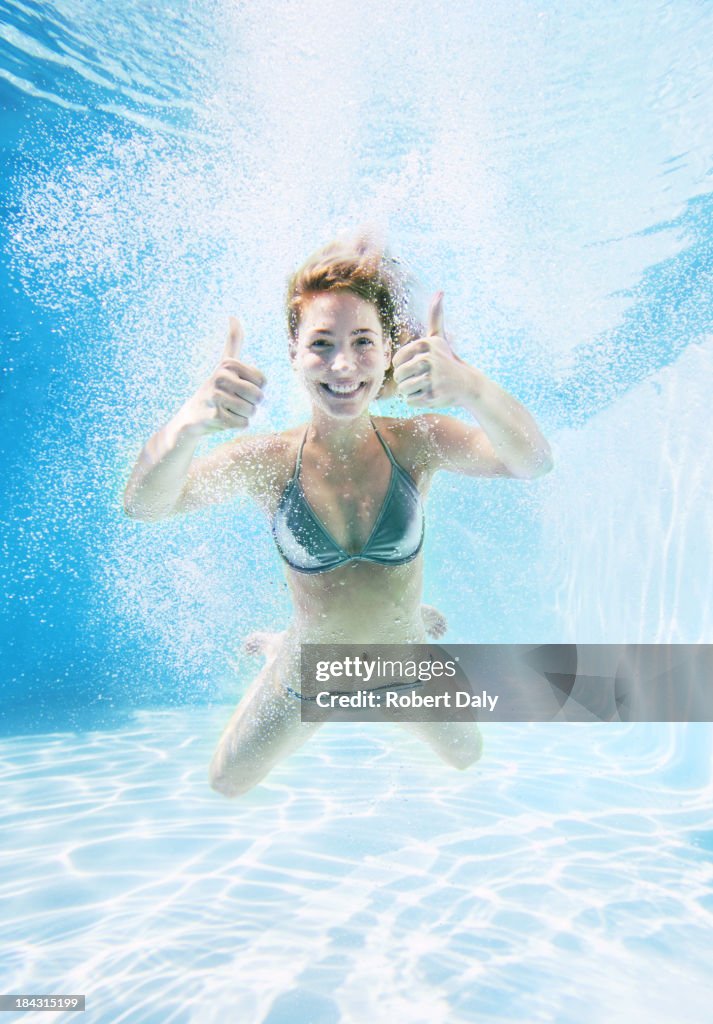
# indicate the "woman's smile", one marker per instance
pixel 344 390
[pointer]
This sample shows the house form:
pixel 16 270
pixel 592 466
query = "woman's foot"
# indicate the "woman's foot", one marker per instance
pixel 435 622
pixel 262 643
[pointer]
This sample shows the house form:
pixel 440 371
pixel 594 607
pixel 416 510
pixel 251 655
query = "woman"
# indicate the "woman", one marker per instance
pixel 345 493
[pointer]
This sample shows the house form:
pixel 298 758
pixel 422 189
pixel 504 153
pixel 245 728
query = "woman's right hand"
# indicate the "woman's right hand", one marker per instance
pixel 230 397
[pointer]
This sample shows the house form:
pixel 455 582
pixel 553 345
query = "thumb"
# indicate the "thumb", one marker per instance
pixel 435 316
pixel 234 341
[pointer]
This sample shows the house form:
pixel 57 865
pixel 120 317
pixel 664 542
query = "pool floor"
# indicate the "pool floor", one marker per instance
pixel 566 877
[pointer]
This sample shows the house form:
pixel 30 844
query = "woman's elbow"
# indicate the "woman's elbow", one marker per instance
pixel 540 466
pixel 131 508
pixel 142 514
pixel 544 465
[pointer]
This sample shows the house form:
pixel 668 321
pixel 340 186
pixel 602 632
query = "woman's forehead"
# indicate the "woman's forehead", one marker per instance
pixel 326 310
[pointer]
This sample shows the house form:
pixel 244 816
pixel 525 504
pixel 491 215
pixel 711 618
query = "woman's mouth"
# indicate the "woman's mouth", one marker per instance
pixel 344 390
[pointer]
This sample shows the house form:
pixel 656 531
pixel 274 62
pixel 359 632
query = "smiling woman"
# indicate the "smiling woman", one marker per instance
pixel 338 359
pixel 344 493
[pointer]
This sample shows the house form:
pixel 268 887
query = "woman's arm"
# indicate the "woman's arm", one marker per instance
pixel 161 470
pixel 508 442
pixel 165 480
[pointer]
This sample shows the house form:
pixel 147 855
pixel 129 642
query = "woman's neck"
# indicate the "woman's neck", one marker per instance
pixel 339 439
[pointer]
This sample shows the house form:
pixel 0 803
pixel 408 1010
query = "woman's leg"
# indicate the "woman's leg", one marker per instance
pixel 265 728
pixel 459 744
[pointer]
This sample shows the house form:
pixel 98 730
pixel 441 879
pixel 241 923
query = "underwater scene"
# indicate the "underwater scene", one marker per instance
pixel 549 169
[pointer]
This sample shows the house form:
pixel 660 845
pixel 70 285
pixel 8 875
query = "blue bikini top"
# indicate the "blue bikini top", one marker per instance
pixel 396 537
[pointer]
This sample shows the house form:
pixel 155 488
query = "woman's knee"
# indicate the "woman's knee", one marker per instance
pixel 464 757
pixel 229 787
pixel 250 751
pixel 237 781
pixel 466 749
pixel 457 746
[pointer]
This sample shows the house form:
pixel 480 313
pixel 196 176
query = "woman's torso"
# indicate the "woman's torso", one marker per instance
pixel 359 600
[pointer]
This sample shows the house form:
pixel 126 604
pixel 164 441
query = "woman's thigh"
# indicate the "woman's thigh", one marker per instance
pixel 265 728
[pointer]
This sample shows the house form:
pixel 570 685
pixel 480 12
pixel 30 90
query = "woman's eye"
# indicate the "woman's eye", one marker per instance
pixel 319 343
pixel 364 340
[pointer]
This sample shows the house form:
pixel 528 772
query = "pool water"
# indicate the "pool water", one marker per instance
pixel 566 877
pixel 550 169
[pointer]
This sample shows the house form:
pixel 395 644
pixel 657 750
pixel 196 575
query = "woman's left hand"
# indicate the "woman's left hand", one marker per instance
pixel 427 372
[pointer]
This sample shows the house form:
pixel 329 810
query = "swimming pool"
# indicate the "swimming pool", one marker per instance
pixel 550 170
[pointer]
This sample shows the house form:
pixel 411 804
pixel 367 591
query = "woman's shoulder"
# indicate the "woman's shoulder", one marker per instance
pixel 406 430
pixel 266 460
pixel 275 445
pixel 409 438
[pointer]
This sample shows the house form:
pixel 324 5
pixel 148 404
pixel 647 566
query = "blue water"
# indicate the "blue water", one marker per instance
pixel 550 169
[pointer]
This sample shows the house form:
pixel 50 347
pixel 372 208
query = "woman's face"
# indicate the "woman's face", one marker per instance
pixel 341 354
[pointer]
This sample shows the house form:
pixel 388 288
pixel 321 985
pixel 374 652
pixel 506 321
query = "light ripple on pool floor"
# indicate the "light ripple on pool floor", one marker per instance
pixel 567 877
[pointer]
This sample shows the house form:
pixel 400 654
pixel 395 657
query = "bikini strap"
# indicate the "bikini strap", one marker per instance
pixel 298 463
pixel 384 445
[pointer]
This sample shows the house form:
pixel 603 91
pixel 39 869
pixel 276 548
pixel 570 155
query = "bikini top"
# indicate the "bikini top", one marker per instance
pixel 307 546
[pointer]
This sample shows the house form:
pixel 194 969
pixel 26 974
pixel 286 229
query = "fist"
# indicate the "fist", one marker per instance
pixel 426 371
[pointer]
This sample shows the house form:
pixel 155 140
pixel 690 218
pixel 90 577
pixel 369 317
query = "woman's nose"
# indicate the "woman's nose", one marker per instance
pixel 343 360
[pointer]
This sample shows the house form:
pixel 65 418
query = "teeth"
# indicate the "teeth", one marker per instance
pixel 343 389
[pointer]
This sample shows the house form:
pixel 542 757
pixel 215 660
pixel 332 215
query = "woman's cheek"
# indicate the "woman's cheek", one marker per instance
pixel 374 361
pixel 309 365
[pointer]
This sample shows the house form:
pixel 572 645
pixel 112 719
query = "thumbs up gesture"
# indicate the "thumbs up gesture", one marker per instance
pixel 426 371
pixel 232 393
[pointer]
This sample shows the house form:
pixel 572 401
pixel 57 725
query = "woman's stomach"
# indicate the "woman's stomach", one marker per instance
pixel 360 602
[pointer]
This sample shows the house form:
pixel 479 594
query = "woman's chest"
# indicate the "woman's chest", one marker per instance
pixel 348 505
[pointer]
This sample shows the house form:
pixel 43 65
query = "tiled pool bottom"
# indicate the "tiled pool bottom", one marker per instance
pixel 566 877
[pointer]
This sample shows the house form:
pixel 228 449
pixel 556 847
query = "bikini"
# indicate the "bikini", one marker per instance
pixel 308 547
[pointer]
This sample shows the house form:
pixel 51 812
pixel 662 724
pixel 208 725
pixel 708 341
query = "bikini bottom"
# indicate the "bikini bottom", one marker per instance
pixel 350 693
